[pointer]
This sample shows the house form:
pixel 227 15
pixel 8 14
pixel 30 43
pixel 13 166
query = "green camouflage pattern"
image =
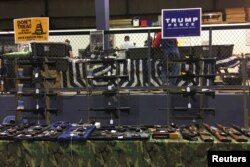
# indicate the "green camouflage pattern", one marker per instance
pixel 152 153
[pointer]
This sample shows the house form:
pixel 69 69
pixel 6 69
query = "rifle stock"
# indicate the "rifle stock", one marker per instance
pixel 217 133
pixel 231 132
pixel 204 134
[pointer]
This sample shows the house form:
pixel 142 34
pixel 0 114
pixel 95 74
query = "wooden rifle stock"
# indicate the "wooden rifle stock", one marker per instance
pixel 204 135
pixel 231 132
pixel 217 133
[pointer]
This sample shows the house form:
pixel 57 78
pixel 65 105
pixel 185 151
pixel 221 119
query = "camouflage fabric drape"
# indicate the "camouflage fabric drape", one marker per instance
pixel 161 153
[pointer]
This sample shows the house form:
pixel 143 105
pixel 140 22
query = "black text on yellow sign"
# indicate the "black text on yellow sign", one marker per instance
pixel 31 29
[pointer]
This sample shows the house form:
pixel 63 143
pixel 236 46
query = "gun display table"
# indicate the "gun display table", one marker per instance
pixel 111 153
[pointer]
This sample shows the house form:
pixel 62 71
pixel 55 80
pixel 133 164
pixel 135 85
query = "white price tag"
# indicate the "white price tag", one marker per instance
pixel 186 67
pixel 120 137
pixel 113 131
pixel 97 125
pixel 110 87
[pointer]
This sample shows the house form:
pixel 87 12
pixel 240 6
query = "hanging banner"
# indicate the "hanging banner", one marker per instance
pixel 181 22
pixel 31 29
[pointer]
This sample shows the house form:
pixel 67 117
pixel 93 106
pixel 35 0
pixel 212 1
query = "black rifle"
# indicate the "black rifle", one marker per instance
pixel 244 131
pixel 187 134
pixel 112 110
pixel 188 76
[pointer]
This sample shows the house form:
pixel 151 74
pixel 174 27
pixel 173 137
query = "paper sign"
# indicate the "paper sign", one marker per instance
pixel 181 22
pixel 31 29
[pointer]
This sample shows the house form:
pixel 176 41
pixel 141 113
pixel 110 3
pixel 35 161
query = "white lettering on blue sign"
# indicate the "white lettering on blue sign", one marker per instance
pixel 181 22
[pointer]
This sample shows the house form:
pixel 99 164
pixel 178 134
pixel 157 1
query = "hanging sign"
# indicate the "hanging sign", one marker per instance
pixel 31 29
pixel 181 22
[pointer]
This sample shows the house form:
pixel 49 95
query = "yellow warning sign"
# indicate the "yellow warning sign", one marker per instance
pixel 31 29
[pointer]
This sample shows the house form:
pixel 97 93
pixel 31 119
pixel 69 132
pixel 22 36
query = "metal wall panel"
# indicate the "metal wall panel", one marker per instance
pixel 63 8
pixel 19 9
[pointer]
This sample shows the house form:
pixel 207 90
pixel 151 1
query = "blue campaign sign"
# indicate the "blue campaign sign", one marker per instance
pixel 181 22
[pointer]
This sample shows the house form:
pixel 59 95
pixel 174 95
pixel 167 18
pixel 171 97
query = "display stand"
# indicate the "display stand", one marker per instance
pixel 40 84
pixel 111 92
pixel 245 90
pixel 193 73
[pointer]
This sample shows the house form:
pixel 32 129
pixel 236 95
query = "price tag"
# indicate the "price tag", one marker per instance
pixel 109 73
pixel 97 125
pixel 186 67
pixel 120 137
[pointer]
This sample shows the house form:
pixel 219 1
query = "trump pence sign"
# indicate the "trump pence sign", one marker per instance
pixel 181 22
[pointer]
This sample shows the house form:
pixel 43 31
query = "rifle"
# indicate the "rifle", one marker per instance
pixel 187 134
pixel 188 76
pixel 193 92
pixel 112 110
pixel 165 133
pixel 223 137
pixel 244 131
pixel 204 134
pixel 232 132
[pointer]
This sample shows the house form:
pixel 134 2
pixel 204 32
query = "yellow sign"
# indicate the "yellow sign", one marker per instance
pixel 31 29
